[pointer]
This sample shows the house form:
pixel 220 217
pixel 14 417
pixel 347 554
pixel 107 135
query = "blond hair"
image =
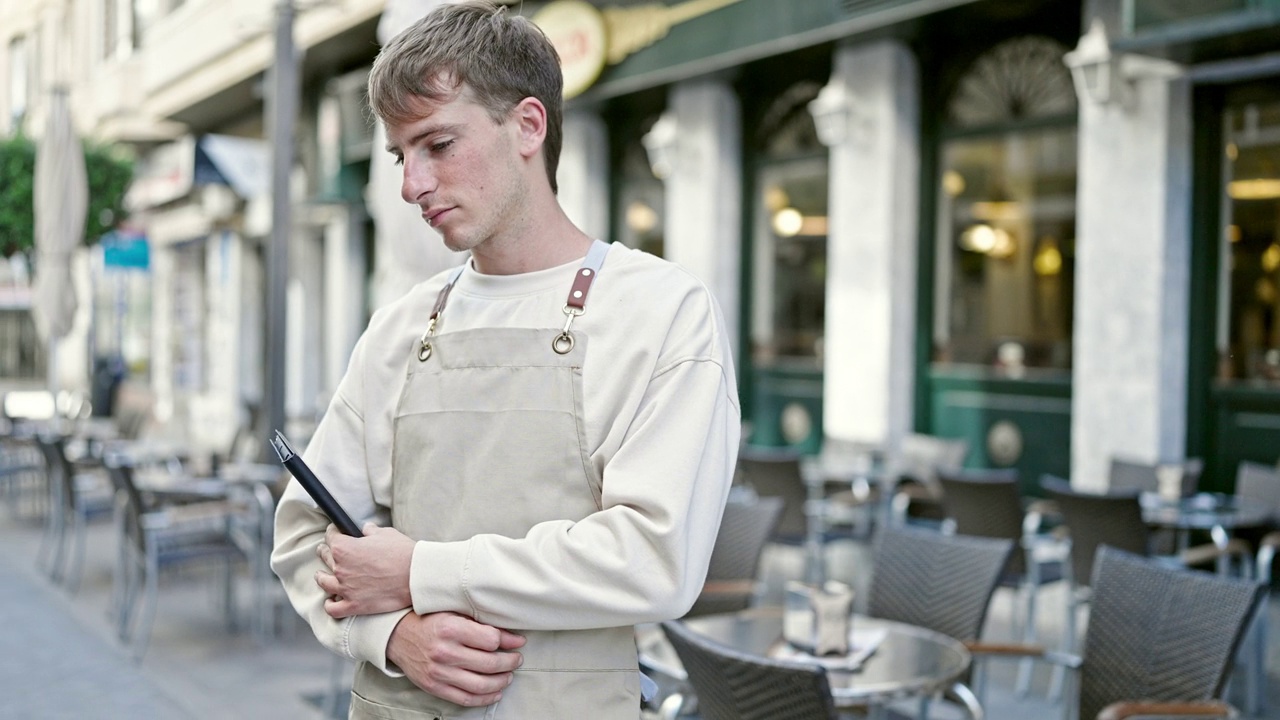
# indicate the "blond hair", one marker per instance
pixel 501 58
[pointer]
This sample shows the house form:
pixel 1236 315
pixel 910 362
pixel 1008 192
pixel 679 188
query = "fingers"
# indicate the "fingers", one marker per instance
pixel 338 608
pixel 369 527
pixel 468 689
pixel 326 555
pixel 510 640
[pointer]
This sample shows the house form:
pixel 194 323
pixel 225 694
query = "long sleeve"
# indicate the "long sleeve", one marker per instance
pixel 337 453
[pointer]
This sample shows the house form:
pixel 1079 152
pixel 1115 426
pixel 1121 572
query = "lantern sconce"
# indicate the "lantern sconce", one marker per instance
pixel 1106 78
pixel 832 112
pixel 662 145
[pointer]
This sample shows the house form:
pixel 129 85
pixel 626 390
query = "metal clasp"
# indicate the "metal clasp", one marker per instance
pixel 424 344
pixel 563 343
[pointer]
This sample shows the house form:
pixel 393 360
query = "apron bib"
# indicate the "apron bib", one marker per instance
pixel 490 438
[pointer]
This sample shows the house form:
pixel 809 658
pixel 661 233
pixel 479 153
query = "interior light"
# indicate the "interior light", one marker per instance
pixel 953 183
pixel 1005 246
pixel 775 198
pixel 996 210
pixel 978 238
pixel 641 218
pixel 788 222
pixel 1255 189
pixel 1233 151
pixel 1271 258
pixel 1048 259
pixel 1233 233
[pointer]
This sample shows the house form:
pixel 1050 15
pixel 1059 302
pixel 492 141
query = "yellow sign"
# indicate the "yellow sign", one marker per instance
pixel 586 37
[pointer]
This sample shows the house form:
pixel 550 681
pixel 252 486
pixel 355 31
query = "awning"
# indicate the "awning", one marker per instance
pixel 171 171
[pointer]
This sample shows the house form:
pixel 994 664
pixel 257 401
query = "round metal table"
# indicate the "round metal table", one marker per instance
pixel 909 661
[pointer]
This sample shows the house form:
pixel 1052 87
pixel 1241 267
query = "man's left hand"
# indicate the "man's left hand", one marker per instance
pixel 367 575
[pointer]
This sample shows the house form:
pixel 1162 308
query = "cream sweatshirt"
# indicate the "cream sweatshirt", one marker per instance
pixel 662 424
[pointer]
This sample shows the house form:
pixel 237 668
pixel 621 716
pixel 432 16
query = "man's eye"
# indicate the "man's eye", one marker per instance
pixel 441 146
pixel 399 160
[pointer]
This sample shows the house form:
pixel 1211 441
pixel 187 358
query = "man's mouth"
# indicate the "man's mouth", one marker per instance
pixel 433 217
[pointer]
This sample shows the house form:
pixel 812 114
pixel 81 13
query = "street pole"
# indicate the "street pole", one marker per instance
pixel 282 111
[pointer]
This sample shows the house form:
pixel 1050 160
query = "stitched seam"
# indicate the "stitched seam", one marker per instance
pixel 672 366
pixel 466 580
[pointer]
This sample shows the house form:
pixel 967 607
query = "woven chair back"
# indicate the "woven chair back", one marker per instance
pixel 940 582
pixel 1160 633
pixel 986 503
pixel 1094 520
pixel 734 686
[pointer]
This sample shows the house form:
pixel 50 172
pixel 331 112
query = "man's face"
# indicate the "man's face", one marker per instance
pixel 460 168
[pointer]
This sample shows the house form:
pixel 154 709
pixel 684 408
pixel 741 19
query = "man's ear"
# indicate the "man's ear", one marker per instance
pixel 531 125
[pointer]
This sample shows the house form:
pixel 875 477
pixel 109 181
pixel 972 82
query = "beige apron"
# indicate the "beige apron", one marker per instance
pixel 489 438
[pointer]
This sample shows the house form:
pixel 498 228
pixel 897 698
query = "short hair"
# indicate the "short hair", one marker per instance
pixel 501 58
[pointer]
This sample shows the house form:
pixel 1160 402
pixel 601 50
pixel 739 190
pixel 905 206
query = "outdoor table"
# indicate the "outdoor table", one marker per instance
pixel 1221 515
pixel 860 472
pixel 908 661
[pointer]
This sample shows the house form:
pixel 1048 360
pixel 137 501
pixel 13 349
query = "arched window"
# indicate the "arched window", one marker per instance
pixel 1006 212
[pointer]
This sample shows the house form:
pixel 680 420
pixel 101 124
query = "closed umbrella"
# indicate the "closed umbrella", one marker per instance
pixel 61 199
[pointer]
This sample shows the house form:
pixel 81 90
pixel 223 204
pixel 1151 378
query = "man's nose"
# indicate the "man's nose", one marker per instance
pixel 418 181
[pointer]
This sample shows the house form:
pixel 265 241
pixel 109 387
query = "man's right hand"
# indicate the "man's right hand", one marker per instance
pixel 454 657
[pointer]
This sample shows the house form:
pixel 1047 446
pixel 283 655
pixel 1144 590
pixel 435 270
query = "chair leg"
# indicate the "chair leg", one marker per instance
pixel 1256 642
pixel 1058 678
pixel 1022 686
pixel 76 560
pixel 150 597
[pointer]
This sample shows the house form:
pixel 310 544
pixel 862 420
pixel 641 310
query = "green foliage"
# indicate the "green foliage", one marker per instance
pixel 108 173
pixel 17 180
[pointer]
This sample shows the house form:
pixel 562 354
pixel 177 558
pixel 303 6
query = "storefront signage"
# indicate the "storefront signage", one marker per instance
pixel 588 38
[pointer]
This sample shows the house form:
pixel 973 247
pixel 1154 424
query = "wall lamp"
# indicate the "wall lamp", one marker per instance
pixel 832 110
pixel 1106 78
pixel 662 145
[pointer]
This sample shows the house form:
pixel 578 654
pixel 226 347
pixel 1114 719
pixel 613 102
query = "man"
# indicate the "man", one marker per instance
pixel 552 449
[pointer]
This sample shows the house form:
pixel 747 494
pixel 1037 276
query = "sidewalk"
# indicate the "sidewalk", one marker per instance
pixel 59 657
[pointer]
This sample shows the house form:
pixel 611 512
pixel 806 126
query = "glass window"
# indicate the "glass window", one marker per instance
pixel 1249 303
pixel 790 236
pixel 1005 277
pixel 641 198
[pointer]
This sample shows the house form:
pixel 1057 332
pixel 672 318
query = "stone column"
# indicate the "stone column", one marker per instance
pixel 1133 253
pixel 703 225
pixel 872 242
pixel 584 172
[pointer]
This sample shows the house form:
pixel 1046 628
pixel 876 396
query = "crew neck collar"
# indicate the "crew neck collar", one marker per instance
pixel 474 282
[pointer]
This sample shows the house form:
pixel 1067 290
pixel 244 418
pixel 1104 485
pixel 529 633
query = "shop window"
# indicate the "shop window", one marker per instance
pixel 642 198
pixel 1249 302
pixel 790 235
pixel 1006 213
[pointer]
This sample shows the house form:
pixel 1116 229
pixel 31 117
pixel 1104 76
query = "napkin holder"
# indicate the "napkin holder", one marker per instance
pixel 818 619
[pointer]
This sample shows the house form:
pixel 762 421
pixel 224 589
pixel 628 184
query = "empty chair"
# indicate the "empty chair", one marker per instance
pixel 1160 640
pixel 77 496
pixel 913 473
pixel 775 472
pixel 735 559
pixel 1258 485
pixel 940 582
pixel 734 686
pixel 989 503
pixel 154 536
pixel 1113 519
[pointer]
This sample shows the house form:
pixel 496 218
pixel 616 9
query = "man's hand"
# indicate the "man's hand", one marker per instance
pixel 454 657
pixel 367 575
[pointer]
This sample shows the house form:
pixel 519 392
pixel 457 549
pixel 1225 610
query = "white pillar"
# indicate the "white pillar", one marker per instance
pixel 1132 278
pixel 343 297
pixel 872 247
pixel 703 225
pixel 584 172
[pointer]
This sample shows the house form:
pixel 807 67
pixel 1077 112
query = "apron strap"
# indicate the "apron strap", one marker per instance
pixel 424 343
pixel 576 303
pixel 586 274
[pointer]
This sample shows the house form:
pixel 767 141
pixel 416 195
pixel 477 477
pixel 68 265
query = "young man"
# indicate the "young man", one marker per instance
pixel 551 449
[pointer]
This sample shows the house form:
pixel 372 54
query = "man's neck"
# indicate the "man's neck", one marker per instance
pixel 543 240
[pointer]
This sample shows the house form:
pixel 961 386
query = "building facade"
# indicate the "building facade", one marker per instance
pixel 1050 227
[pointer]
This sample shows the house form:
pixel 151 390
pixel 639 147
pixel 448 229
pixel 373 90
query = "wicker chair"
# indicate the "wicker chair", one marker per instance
pixel 734 686
pixel 78 495
pixel 989 503
pixel 1258 485
pixel 1114 519
pixel 775 472
pixel 154 534
pixel 940 582
pixel 914 474
pixel 1160 640
pixel 735 559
